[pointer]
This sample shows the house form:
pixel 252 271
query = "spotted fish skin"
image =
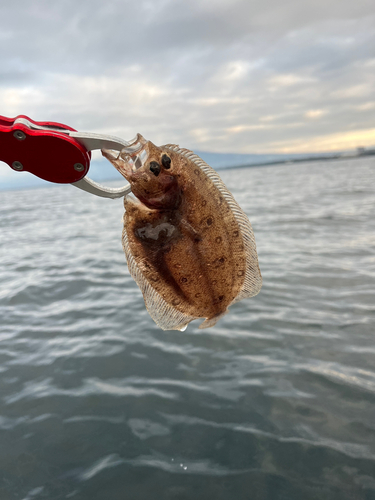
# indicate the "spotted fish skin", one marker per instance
pixel 188 244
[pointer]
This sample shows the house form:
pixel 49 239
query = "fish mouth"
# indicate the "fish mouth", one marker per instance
pixel 131 158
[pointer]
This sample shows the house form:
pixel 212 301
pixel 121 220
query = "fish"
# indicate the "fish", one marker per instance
pixel 189 246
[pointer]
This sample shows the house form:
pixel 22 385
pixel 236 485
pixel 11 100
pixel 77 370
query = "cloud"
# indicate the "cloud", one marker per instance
pixel 315 113
pixel 225 76
pixel 328 142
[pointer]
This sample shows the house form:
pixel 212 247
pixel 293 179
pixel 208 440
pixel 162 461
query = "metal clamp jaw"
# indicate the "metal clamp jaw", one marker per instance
pixel 56 153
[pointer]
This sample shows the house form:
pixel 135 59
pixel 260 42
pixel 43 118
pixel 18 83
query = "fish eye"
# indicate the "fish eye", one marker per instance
pixel 166 161
pixel 155 168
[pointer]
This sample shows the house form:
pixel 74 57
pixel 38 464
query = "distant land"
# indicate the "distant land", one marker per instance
pixel 221 160
pixel 101 170
pixel 298 158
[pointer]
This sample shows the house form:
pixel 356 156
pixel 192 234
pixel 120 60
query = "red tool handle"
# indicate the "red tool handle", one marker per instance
pixel 48 154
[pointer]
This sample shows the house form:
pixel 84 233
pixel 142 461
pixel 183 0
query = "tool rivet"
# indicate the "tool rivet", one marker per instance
pixel 17 165
pixel 79 167
pixel 18 134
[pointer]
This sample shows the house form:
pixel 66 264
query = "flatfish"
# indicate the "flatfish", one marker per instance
pixel 188 244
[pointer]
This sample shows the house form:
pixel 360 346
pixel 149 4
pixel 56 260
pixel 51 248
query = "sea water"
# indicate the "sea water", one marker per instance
pixel 277 401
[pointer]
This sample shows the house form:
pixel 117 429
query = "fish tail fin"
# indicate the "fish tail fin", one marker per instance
pixel 207 323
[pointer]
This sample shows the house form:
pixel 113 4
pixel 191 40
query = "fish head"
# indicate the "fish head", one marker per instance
pixel 151 172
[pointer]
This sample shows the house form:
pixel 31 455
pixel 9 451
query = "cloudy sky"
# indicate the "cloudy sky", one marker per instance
pixel 233 76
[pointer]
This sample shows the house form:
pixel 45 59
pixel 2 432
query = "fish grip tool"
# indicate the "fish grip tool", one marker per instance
pixel 56 153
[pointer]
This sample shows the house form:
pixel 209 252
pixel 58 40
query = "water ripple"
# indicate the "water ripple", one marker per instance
pixel 276 401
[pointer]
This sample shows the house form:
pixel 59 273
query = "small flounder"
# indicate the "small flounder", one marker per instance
pixel 188 244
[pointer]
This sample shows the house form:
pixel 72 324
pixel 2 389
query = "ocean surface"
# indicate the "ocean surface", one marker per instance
pixel 275 402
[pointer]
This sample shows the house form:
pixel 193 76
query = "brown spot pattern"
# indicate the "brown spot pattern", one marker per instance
pixel 197 264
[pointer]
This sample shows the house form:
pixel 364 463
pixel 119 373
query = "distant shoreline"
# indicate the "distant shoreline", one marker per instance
pixel 338 156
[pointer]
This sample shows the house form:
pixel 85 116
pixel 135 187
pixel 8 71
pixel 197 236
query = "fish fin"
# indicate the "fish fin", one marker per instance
pixel 207 323
pixel 165 316
pixel 253 278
